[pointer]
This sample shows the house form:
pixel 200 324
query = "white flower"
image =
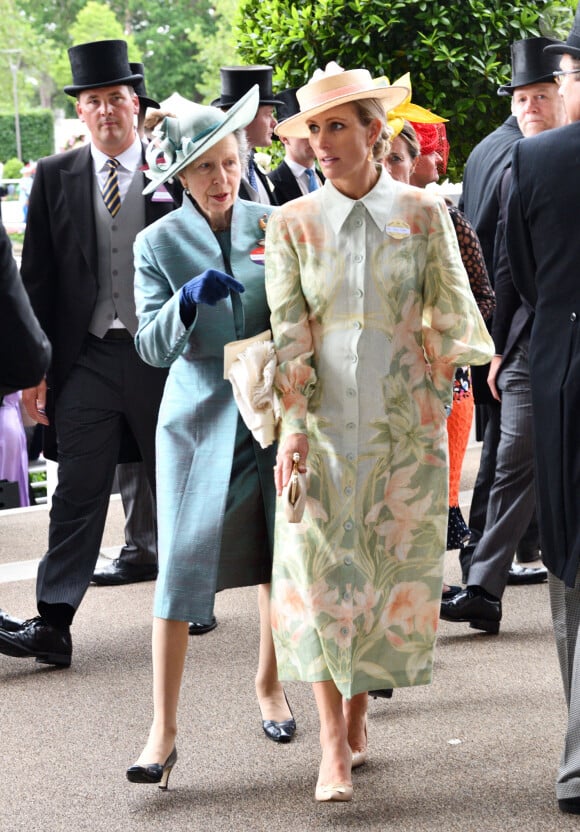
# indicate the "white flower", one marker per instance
pixel 263 160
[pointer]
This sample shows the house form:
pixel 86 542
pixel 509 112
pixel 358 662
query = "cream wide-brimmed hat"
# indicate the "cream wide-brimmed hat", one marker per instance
pixel 334 86
pixel 178 141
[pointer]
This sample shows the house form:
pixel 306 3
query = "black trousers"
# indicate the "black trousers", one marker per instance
pixel 109 391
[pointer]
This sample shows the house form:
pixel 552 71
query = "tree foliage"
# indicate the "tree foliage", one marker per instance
pixel 27 49
pixel 457 51
pixel 94 21
pixel 179 41
pixel 215 49
pixel 163 32
pixel 37 136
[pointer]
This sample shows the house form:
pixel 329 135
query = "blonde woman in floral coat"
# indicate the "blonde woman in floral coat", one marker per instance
pixel 371 311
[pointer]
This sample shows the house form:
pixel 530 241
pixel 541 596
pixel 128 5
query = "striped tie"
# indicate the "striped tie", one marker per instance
pixel 111 193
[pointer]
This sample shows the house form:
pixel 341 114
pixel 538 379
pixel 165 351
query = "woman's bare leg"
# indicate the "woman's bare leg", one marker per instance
pixel 269 690
pixel 355 716
pixel 335 766
pixel 169 642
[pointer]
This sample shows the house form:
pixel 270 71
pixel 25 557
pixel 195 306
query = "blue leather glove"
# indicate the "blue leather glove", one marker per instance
pixel 208 287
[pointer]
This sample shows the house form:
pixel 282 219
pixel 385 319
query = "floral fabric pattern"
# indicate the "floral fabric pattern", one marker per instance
pixel 371 311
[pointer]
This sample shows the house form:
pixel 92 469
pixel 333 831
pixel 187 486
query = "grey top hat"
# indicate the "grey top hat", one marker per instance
pixel 237 80
pixel 531 63
pixel 100 63
pixel 571 46
pixel 141 89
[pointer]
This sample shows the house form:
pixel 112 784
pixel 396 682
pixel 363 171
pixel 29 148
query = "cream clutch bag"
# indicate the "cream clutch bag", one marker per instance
pixel 250 365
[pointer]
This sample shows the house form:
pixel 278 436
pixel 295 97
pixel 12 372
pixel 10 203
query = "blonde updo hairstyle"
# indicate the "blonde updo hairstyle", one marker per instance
pixel 368 110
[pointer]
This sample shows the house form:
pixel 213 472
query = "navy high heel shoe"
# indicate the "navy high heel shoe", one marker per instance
pixel 280 731
pixel 153 773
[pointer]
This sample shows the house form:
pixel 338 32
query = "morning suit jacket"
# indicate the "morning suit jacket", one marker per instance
pixel 59 258
pixel 513 314
pixel 24 348
pixel 544 253
pixel 251 194
pixel 479 202
pixel 285 185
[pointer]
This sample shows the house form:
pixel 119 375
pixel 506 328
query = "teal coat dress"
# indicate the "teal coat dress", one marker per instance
pixel 215 487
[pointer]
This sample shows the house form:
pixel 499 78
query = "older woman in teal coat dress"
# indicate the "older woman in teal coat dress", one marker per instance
pixel 199 285
pixel 200 435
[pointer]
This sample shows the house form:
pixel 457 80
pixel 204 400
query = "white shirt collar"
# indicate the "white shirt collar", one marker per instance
pixel 296 168
pixel 129 159
pixel 378 202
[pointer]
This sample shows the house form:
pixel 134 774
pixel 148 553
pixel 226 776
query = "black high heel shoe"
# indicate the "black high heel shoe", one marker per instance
pixel 280 731
pixel 154 773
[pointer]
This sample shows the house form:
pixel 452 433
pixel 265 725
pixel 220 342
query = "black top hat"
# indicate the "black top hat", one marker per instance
pixel 287 103
pixel 237 80
pixel 530 64
pixel 141 89
pixel 101 63
pixel 572 44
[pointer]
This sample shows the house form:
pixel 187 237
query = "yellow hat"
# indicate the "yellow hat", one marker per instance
pixel 406 111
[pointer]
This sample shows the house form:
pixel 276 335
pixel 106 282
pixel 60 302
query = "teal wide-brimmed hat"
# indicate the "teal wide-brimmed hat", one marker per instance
pixel 178 141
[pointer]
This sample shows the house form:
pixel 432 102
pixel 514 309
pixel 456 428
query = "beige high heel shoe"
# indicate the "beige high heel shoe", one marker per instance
pixel 334 791
pixel 359 756
pixel 337 792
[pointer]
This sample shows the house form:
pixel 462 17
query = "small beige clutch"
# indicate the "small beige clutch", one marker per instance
pixel 294 493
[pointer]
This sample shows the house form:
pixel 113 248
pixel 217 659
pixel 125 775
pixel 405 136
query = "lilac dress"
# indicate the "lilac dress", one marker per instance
pixel 13 451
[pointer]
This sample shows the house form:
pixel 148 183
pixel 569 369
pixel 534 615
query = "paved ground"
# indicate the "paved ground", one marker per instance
pixel 477 750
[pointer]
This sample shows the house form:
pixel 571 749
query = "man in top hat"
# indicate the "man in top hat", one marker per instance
pixel 480 202
pixel 99 401
pixel 140 547
pixel 544 251
pixel 236 81
pixel 296 175
pixel 537 107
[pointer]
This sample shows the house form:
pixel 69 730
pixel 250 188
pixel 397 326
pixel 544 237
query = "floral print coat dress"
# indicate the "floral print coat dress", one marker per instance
pixel 371 310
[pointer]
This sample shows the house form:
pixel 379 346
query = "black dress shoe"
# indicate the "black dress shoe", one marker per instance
pixel 451 591
pixel 522 575
pixel 382 693
pixel 571 805
pixel 481 611
pixel 9 623
pixel 280 731
pixel 154 773
pixel 118 572
pixel 36 639
pixel 198 629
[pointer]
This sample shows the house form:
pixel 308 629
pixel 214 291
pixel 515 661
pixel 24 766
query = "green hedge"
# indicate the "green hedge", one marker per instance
pixel 36 135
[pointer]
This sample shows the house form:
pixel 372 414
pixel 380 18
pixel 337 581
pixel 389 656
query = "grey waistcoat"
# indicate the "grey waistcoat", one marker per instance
pixel 115 238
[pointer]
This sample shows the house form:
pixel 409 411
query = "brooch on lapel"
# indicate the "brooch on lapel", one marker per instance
pixel 258 254
pixel 398 229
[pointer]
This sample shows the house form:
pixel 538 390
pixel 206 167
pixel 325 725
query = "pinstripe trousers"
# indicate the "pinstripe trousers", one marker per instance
pixel 565 604
pixel 512 499
pixel 139 507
